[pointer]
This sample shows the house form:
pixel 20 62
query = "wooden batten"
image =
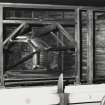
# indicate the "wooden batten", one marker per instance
pixel 1 47
pixel 90 46
pixel 77 39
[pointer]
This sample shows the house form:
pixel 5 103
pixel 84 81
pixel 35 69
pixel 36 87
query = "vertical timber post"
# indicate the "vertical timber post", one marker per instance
pixel 77 50
pixel 1 47
pixel 90 46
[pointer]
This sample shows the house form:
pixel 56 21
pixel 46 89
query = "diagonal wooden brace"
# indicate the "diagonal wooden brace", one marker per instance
pixel 27 57
pixel 61 42
pixel 66 34
pixel 13 34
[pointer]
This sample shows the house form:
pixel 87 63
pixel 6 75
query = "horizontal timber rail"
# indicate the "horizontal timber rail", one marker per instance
pixel 47 6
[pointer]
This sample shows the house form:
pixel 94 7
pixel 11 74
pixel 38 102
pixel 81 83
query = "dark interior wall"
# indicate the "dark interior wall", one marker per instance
pixel 61 2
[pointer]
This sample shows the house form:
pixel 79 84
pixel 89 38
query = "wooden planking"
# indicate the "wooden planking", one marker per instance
pixel 42 57
pixel 77 39
pixel 1 47
pixel 90 47
pixel 84 44
pixel 100 46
